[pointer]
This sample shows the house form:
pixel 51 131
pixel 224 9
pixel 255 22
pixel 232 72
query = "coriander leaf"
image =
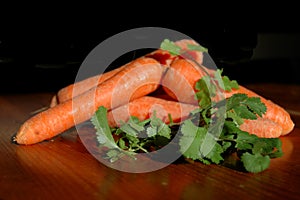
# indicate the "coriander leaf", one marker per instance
pixel 235 100
pixel 231 129
pixel 126 128
pixel 122 143
pixel 158 127
pixel 255 163
pixel 151 131
pixel 198 47
pixel 236 119
pixel 171 47
pixel 243 112
pixel 191 140
pixel 267 146
pixel 103 132
pixel 255 105
pixel 228 84
pixel 245 140
pixel 225 145
pixel 211 149
pixel 205 90
pixel 135 124
pixel 165 131
pixel 242 106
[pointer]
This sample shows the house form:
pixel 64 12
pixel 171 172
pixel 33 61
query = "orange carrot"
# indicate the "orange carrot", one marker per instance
pixel 274 112
pixel 143 108
pixel 139 78
pixel 191 75
pixel 180 79
pixel 262 127
pixel 80 87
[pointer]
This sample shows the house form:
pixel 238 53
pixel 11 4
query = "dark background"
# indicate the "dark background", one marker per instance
pixel 42 51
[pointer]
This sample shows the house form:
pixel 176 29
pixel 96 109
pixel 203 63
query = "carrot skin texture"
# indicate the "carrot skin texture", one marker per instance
pixel 80 87
pixel 262 127
pixel 180 79
pixel 144 107
pixel 139 78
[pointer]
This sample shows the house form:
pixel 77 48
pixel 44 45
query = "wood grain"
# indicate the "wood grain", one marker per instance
pixel 62 168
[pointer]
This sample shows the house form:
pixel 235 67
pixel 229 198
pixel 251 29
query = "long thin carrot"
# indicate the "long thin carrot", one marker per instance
pixel 139 78
pixel 80 87
pixel 144 107
pixel 187 70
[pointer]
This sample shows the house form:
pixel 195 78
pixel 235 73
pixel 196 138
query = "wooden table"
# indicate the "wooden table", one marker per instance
pixel 63 169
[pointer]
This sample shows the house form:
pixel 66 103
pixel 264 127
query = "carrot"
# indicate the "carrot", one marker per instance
pixel 139 78
pixel 80 87
pixel 180 79
pixel 162 56
pixel 262 127
pixel 143 108
pixel 274 112
pixel 190 74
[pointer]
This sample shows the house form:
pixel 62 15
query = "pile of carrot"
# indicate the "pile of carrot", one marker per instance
pixel 125 92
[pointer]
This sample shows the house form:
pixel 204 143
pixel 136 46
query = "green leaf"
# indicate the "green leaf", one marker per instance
pixel 255 163
pixel 267 146
pixel 158 127
pixel 165 131
pixel 246 107
pixel 191 140
pixel 171 47
pixel 205 90
pixel 229 84
pixel 211 149
pixel 126 128
pixel 103 132
pixel 232 129
pixel 236 119
pixel 245 140
pixel 235 100
pixel 122 144
pixel 198 47
pixel 151 131
pixel 243 112
pixel 255 105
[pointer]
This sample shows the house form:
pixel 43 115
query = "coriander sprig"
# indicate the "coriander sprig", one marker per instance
pixel 210 135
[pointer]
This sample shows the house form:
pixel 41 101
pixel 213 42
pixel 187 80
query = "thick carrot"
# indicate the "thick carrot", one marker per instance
pixel 190 75
pixel 80 87
pixel 144 107
pixel 139 78
pixel 180 79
